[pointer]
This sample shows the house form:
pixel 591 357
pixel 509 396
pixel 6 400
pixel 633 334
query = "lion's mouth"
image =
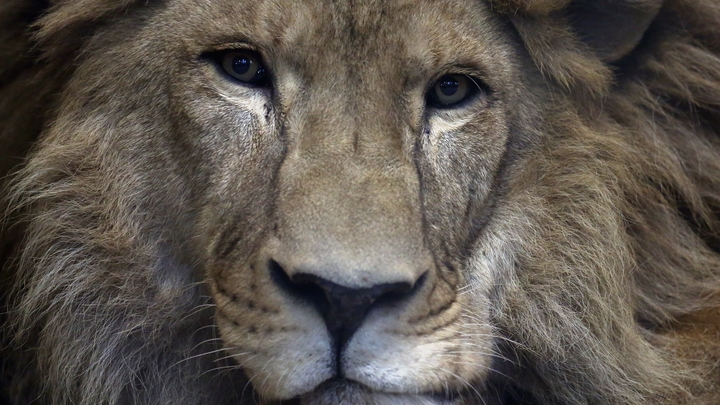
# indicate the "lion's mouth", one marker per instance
pixel 341 390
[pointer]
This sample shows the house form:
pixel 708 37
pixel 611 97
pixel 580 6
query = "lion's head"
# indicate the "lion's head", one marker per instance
pixel 324 202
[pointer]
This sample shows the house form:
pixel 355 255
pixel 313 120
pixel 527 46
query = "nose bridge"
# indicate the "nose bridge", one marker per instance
pixel 350 213
pixel 349 114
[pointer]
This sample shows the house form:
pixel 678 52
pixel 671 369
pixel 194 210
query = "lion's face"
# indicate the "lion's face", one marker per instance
pixel 396 202
pixel 337 201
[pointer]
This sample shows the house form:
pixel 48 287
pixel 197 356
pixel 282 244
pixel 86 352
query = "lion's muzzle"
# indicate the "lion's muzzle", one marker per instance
pixel 354 292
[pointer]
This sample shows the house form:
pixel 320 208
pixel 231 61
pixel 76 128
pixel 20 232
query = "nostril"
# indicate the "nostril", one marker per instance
pixel 343 308
pixel 310 292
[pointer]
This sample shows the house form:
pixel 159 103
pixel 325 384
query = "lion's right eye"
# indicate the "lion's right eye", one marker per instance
pixel 245 66
pixel 452 90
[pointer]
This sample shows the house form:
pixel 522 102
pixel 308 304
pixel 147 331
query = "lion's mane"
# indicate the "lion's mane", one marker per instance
pixel 631 180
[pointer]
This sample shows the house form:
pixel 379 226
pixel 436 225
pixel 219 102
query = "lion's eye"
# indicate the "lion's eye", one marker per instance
pixel 450 90
pixel 245 66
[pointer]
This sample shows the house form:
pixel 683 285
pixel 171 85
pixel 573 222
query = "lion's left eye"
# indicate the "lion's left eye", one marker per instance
pixel 244 66
pixel 450 90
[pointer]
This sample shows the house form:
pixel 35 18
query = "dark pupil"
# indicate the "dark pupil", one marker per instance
pixel 241 65
pixel 449 86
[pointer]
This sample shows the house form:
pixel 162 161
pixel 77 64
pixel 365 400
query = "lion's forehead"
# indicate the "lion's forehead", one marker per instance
pixel 354 39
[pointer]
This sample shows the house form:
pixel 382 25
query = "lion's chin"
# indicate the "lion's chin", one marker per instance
pixel 340 391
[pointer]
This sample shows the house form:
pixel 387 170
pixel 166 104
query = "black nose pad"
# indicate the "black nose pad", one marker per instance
pixel 342 308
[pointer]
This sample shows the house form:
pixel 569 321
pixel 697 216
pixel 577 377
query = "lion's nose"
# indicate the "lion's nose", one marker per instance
pixel 343 308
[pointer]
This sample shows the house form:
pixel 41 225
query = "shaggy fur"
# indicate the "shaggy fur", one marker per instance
pixel 583 269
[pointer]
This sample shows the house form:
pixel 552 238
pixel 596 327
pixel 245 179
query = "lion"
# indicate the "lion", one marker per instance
pixel 318 202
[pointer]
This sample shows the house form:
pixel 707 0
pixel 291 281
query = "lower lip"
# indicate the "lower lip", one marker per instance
pixel 350 392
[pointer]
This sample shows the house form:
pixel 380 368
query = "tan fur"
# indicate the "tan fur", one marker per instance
pixel 561 233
